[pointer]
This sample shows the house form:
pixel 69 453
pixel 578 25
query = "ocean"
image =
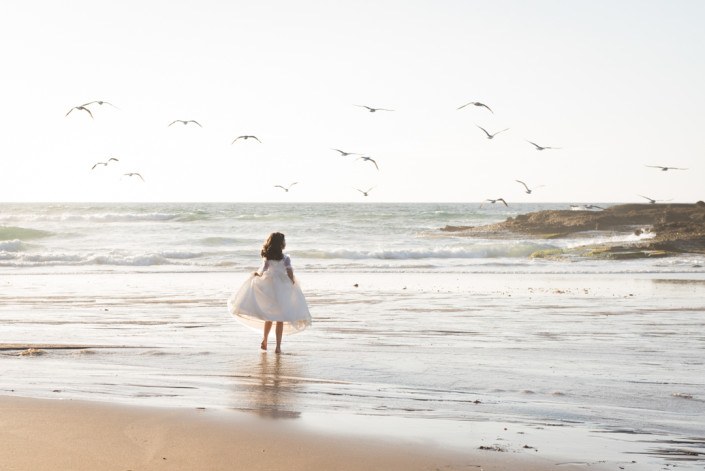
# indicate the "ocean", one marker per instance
pixel 126 303
pixel 52 237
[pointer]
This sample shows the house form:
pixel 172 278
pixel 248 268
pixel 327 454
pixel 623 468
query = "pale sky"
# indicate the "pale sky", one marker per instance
pixel 617 85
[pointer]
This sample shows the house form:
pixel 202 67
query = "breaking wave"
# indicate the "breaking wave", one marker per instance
pixel 8 258
pixel 11 246
pixel 477 251
pixel 110 217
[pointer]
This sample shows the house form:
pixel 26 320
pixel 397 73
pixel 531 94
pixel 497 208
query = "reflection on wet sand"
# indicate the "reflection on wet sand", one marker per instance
pixel 267 387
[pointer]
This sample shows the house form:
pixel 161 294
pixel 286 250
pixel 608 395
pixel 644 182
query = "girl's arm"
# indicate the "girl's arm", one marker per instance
pixel 262 269
pixel 289 269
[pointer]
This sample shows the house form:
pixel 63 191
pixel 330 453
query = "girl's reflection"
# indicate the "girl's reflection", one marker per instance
pixel 272 389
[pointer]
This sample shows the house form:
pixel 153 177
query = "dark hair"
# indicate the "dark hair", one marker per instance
pixel 273 248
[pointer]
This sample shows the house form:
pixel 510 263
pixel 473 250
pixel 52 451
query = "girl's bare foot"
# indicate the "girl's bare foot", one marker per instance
pixel 263 345
pixel 278 350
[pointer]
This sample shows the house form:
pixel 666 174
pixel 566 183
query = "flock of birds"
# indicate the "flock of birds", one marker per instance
pixel 538 147
pixel 85 107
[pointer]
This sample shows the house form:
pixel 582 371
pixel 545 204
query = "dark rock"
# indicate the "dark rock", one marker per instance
pixel 678 228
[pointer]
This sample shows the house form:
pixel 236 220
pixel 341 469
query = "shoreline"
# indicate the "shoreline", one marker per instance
pixel 428 365
pixel 45 434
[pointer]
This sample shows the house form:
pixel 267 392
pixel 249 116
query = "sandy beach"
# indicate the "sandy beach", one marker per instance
pixel 39 434
pixel 168 366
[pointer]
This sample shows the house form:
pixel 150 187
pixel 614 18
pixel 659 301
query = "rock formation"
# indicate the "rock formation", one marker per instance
pixel 676 228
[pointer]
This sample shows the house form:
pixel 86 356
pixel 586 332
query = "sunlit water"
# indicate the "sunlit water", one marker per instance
pixel 409 322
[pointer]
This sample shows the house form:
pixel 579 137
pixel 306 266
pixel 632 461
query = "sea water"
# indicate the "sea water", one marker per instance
pixel 126 302
pixel 50 238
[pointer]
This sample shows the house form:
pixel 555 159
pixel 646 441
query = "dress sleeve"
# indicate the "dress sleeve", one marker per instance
pixel 287 261
pixel 264 267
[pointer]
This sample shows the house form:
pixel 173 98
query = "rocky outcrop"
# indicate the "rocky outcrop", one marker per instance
pixel 676 228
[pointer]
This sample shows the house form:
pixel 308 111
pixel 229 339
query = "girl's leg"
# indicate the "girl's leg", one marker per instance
pixel 267 328
pixel 279 331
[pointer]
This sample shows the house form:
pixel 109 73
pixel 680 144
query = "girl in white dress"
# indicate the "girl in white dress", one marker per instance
pixel 272 294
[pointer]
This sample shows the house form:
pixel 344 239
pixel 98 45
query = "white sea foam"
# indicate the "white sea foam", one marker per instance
pixel 135 261
pixel 118 217
pixel 11 246
pixel 599 238
pixel 59 259
pixel 51 258
pixel 448 252
pixel 181 255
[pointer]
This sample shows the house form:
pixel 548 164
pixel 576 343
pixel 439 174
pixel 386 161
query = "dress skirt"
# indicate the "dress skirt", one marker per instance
pixel 271 297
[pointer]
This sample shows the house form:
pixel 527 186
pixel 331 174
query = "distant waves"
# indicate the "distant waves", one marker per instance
pixel 161 237
pixel 12 253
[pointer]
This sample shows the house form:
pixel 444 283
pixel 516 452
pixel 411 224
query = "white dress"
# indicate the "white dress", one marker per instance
pixel 271 297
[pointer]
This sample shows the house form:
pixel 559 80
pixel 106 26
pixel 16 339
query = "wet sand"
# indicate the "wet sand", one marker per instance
pixel 601 370
pixel 41 434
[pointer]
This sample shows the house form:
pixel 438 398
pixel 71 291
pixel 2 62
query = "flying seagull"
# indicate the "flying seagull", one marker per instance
pixel 583 207
pixel 651 200
pixel 665 169
pixel 134 174
pixel 369 159
pixel 105 164
pixel 345 154
pixel 528 190
pixel 476 103
pixel 490 136
pixel 286 189
pixel 80 108
pixel 372 110
pixel 495 200
pixel 364 193
pixel 100 103
pixel 246 138
pixel 185 122
pixel 538 147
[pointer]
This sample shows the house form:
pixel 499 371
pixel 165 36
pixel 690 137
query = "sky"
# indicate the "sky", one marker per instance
pixel 615 85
